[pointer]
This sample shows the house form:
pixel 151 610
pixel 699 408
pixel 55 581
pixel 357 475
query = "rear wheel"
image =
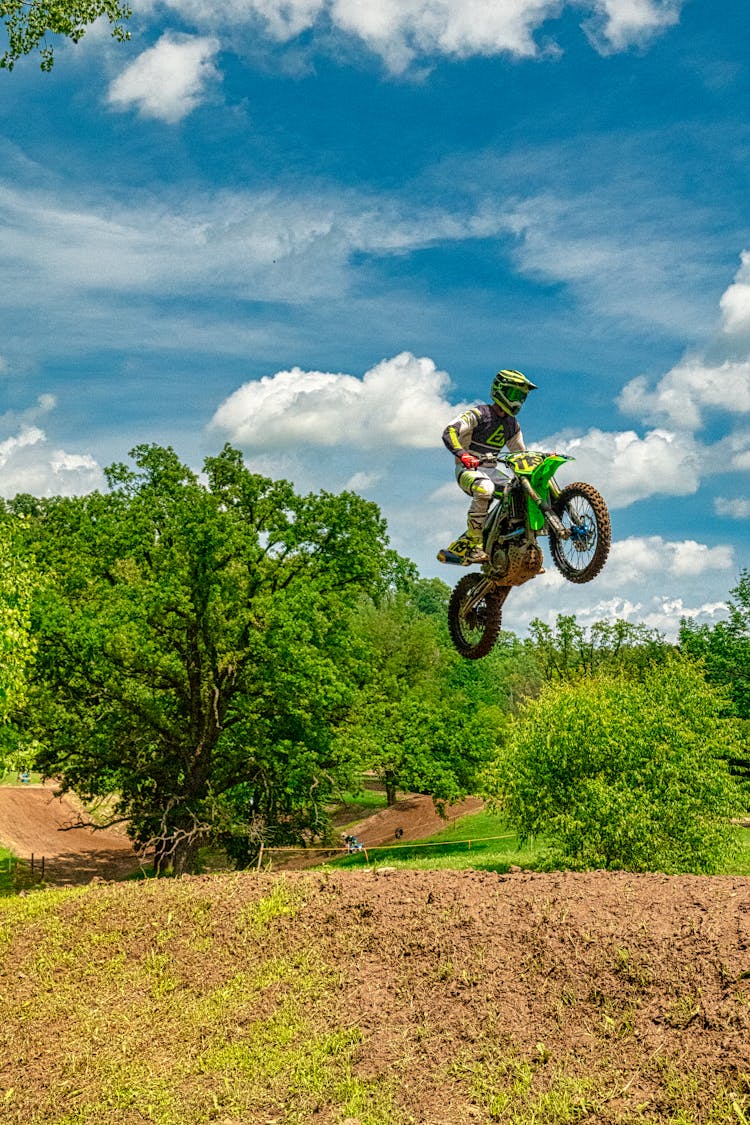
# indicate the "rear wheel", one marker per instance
pixel 474 623
pixel 582 511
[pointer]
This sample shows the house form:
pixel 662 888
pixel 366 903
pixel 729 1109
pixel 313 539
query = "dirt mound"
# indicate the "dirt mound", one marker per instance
pixel 402 998
pixel 33 821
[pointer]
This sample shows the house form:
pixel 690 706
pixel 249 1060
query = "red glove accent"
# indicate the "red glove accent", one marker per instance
pixel 469 461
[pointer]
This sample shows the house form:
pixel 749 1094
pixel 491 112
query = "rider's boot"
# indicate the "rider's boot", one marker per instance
pixel 464 551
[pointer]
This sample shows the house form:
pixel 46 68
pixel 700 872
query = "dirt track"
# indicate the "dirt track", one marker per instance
pixel 33 821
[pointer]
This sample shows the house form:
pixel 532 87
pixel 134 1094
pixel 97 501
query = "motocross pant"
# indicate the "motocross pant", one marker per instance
pixel 481 485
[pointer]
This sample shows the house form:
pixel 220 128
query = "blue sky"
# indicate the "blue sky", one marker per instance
pixel 314 228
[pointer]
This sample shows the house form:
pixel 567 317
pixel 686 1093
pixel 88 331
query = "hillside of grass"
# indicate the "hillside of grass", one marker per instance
pixel 402 998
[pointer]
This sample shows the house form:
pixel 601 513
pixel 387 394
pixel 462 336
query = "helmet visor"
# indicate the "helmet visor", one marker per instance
pixel 515 394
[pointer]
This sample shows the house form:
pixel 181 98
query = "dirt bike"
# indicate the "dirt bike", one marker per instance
pixel 531 504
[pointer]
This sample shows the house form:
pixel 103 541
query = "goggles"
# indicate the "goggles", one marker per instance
pixel 515 394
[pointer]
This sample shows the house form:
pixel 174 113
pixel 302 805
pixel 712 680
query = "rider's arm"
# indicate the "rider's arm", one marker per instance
pixel 515 442
pixel 457 434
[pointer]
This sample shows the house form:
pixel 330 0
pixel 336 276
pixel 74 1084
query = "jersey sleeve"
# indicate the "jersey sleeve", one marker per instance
pixel 457 434
pixel 515 442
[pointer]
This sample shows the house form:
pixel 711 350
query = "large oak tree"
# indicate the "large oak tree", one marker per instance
pixel 193 653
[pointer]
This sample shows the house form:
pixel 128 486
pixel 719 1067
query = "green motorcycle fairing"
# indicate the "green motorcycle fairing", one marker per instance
pixel 540 468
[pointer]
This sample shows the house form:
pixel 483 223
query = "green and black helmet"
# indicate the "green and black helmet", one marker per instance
pixel 509 390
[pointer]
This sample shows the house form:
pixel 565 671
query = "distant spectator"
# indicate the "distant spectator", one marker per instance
pixel 24 777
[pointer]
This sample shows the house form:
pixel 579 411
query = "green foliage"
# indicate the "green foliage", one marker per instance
pixel 626 772
pixel 17 580
pixel 724 652
pixel 570 650
pixel 193 653
pixel 16 646
pixel 28 22
pixel 724 648
pixel 410 723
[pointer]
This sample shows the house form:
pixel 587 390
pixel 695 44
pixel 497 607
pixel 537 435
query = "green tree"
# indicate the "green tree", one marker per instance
pixel 192 646
pixel 625 772
pixel 411 724
pixel 724 651
pixel 16 644
pixel 724 648
pixel 569 649
pixel 29 22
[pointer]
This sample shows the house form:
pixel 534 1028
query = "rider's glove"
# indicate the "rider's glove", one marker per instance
pixel 469 461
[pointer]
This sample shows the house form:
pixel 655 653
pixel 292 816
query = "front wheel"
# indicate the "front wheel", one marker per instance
pixel 474 624
pixel 582 511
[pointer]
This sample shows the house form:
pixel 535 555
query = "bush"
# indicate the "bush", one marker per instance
pixel 626 773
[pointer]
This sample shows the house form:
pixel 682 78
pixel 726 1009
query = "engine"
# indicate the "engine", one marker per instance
pixel 516 563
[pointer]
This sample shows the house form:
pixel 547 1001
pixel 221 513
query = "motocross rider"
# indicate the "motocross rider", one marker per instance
pixel 486 428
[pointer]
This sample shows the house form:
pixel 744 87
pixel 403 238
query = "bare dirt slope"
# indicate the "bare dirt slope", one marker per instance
pixel 401 998
pixel 415 816
pixel 411 818
pixel 33 821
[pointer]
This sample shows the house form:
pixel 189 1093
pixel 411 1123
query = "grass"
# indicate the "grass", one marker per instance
pixel 13 778
pixel 173 1007
pixel 6 872
pixel 356 805
pixel 449 849
pixel 463 844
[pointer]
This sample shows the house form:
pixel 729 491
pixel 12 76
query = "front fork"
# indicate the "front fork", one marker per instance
pixel 546 508
pixel 480 591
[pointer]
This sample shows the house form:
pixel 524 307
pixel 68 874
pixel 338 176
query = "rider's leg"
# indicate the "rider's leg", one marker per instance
pixel 468 548
pixel 481 488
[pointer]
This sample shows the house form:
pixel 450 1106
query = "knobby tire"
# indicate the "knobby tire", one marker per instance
pixel 561 548
pixel 475 637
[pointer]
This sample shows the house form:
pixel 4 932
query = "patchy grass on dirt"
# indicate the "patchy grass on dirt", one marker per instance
pixel 410 998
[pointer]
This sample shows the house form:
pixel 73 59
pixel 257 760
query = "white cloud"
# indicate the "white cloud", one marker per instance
pixel 693 386
pixel 398 403
pixel 167 81
pixel 716 379
pixel 402 31
pixel 614 252
pixel 626 467
pixel 735 303
pixel 363 481
pixel 258 245
pixel 646 579
pixel 737 508
pixel 24 419
pixel 28 464
pixel 638 558
pixel 617 24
